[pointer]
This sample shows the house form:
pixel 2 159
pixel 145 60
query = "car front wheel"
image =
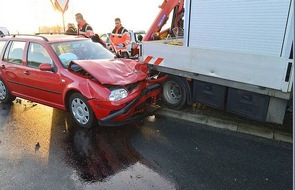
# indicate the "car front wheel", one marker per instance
pixel 81 111
pixel 5 95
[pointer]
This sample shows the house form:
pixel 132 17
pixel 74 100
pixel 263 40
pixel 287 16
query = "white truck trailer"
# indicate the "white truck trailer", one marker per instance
pixel 234 55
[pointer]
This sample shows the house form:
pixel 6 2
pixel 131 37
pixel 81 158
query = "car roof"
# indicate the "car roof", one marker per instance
pixel 49 38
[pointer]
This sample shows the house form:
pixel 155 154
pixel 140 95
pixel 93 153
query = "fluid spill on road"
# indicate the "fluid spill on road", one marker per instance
pixel 104 156
pixel 100 152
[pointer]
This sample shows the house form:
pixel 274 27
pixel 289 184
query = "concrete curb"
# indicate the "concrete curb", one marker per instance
pixel 261 131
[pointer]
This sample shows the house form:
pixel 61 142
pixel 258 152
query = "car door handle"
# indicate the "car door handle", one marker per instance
pixel 26 72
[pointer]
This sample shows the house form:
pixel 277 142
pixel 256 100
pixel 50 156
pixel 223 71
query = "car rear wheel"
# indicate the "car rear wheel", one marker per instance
pixel 81 111
pixel 5 95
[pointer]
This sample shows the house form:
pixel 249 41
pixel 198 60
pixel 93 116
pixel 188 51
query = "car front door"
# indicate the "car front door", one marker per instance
pixel 45 86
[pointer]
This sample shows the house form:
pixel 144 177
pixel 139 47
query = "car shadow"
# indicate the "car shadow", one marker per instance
pixel 4 112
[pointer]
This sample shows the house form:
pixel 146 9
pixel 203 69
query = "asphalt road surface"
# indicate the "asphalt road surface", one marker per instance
pixel 41 148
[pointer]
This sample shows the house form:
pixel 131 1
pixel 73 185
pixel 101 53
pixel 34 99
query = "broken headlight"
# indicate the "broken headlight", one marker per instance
pixel 118 94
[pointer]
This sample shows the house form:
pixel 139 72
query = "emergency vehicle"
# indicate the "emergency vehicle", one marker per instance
pixel 4 31
pixel 231 55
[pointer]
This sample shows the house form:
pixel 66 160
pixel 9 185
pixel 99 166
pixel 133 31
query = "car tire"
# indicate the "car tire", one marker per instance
pixel 5 95
pixel 174 93
pixel 81 111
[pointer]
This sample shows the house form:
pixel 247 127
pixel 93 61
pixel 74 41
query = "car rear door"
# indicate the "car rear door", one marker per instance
pixel 13 68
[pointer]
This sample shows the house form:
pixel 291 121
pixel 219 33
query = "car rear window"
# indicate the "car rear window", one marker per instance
pixel 15 52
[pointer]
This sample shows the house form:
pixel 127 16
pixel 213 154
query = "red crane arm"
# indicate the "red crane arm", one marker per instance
pixel 166 8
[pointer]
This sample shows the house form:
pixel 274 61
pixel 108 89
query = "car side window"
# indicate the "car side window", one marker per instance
pixel 2 44
pixel 37 54
pixel 139 37
pixel 105 38
pixel 15 52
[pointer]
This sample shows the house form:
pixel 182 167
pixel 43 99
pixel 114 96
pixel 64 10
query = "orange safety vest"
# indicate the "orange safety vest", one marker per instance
pixel 120 36
pixel 85 29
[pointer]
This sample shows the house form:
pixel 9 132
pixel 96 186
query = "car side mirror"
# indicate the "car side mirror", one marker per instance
pixel 139 38
pixel 45 67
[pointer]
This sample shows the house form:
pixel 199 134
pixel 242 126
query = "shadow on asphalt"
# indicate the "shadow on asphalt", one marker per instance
pixel 287 125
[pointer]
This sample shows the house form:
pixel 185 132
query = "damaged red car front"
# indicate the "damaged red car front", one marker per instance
pixel 128 90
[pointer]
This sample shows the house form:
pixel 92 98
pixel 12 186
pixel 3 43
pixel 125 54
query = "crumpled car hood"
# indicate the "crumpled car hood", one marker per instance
pixel 115 71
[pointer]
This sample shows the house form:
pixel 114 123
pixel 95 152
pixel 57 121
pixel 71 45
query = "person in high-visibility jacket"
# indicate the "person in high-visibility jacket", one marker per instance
pixel 120 36
pixel 83 27
pixel 71 29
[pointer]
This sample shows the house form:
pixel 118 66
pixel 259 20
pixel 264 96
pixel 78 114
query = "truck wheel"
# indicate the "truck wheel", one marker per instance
pixel 174 93
pixel 5 95
pixel 81 111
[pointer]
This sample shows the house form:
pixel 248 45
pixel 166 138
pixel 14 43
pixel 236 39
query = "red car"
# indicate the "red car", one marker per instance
pixel 73 73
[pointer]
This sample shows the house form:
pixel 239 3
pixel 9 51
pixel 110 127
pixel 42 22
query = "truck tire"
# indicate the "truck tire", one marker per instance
pixel 174 93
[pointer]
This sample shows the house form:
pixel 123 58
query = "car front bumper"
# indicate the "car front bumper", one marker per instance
pixel 149 92
pixel 132 111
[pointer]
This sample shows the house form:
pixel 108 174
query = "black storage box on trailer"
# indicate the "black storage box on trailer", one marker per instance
pixel 248 104
pixel 209 94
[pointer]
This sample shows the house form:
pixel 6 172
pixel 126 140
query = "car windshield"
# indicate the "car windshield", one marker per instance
pixel 80 50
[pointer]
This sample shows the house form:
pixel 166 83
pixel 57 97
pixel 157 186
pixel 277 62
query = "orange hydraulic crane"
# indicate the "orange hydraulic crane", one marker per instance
pixel 154 32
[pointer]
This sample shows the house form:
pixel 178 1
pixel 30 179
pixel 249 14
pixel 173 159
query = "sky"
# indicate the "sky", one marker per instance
pixel 25 16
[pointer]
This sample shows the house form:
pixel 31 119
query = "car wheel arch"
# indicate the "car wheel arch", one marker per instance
pixel 67 97
pixel 86 93
pixel 9 97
